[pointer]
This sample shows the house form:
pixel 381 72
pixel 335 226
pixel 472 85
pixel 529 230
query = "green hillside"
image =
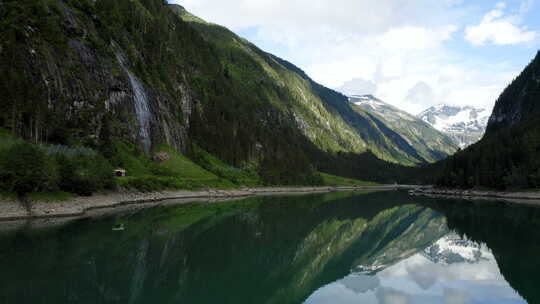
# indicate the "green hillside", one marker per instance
pixel 324 116
pixel 92 74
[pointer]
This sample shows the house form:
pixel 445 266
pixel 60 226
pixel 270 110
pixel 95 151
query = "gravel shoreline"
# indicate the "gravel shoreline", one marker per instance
pixel 531 198
pixel 80 206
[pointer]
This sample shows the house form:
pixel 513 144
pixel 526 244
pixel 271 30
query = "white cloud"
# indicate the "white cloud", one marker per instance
pixel 421 94
pixel 361 283
pixel 453 296
pixel 358 86
pixel 415 38
pixel 392 296
pixel 389 46
pixel 500 29
pixel 380 58
pixel 347 15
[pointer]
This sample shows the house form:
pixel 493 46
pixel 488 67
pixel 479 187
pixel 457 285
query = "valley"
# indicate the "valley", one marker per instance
pixel 205 151
pixel 177 102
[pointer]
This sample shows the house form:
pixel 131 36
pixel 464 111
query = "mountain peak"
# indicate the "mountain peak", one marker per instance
pixel 430 143
pixel 465 124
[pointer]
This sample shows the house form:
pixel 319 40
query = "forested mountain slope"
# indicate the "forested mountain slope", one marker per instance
pixel 93 73
pixel 507 156
pixel 519 102
pixel 323 115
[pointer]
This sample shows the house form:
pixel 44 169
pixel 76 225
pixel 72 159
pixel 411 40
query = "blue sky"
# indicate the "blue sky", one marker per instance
pixel 410 53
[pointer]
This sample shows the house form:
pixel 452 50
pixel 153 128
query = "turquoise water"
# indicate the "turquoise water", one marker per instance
pixel 379 247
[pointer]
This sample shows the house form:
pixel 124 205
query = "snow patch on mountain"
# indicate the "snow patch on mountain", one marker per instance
pixel 367 101
pixel 389 112
pixel 430 143
pixel 465 124
pixel 453 249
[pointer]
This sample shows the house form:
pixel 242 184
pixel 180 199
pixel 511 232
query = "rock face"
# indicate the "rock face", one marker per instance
pixel 92 73
pixel 430 144
pixel 67 86
pixel 464 124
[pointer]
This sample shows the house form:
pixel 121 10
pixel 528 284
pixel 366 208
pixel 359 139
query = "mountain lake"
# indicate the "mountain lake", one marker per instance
pixel 335 248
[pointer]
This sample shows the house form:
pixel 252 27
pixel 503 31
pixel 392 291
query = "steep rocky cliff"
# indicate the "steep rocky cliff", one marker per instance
pixel 92 73
pixel 77 71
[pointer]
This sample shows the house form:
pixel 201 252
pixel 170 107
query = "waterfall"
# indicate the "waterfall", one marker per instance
pixel 142 108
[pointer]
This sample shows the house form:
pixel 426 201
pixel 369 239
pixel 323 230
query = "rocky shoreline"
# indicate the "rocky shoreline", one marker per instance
pixel 81 206
pixel 519 197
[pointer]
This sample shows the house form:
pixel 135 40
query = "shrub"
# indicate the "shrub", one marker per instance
pixel 26 168
pixel 84 175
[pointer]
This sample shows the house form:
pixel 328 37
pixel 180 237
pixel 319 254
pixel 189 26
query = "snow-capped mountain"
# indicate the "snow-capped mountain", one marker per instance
pixel 453 249
pixel 465 125
pixel 449 250
pixel 428 142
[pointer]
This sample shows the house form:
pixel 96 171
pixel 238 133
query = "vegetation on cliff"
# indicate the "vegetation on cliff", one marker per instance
pixel 27 168
pixel 126 78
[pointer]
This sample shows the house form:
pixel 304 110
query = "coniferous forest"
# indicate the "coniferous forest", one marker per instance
pixel 508 156
pixel 223 112
pixel 178 103
pixel 71 70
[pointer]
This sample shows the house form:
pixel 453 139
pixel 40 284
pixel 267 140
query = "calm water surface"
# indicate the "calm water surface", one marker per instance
pixel 381 247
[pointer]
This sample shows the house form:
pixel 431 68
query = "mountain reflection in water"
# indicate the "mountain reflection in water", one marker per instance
pixel 379 247
pixel 453 270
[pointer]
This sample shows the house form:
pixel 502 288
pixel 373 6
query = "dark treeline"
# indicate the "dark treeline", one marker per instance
pixel 27 168
pixel 61 84
pixel 508 155
pixel 506 159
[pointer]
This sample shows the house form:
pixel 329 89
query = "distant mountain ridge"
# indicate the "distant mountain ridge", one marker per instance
pixel 464 124
pixel 430 143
